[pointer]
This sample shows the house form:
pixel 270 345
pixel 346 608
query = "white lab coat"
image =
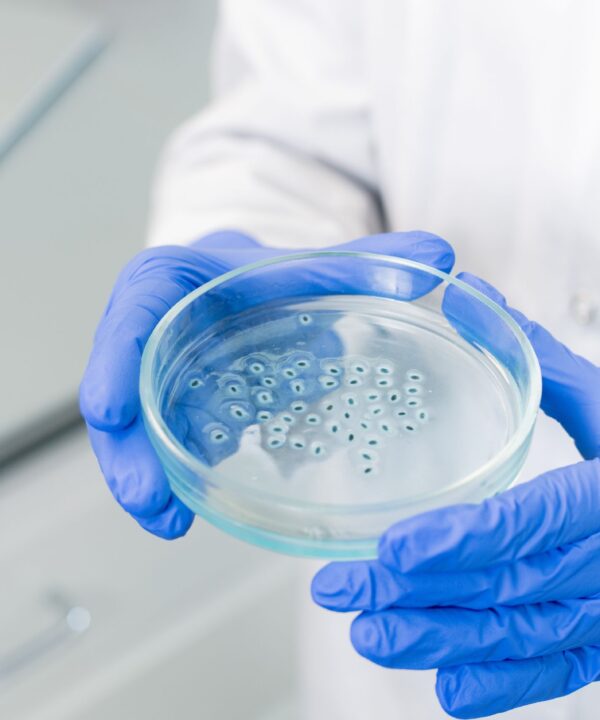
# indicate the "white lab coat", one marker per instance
pixel 473 119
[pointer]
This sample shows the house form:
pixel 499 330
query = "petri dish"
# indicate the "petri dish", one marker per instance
pixel 307 402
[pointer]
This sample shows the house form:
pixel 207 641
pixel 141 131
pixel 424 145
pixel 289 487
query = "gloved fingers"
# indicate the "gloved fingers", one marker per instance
pixel 334 275
pixel 108 398
pixel 442 637
pixel 357 585
pixel 422 247
pixel 137 480
pixel 158 278
pixel 370 586
pixel 146 289
pixel 403 283
pixel 416 245
pixel 132 469
pixel 482 326
pixel 108 395
pixel 482 689
pixel 172 522
pixel 572 571
pixel 553 510
pixel 571 384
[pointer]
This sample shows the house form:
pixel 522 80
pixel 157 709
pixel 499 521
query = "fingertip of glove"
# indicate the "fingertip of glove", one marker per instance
pixel 101 412
pixel 134 474
pixel 416 245
pixel 429 249
pixel 365 636
pixel 477 282
pixel 493 294
pixel 450 695
pixel 435 243
pixel 177 527
pixel 484 287
pixel 329 586
pixel 141 496
pixel 173 523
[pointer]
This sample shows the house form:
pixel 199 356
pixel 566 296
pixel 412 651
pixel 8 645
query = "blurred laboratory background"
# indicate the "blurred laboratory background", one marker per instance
pixel 97 618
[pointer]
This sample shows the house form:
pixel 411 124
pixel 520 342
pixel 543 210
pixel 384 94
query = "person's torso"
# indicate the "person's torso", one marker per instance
pixel 486 126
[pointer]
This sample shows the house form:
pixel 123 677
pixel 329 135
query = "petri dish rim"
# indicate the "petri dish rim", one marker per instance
pixel 153 417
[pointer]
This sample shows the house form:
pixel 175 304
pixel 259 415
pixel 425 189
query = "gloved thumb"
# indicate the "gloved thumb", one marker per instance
pixel 570 383
pixel 417 245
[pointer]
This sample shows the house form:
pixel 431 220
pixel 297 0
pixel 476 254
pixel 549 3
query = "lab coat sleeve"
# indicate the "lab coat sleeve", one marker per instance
pixel 284 151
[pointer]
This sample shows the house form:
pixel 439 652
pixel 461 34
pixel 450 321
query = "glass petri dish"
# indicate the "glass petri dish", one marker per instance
pixel 307 402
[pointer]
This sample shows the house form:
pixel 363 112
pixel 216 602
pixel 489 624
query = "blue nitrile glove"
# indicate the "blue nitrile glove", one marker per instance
pixel 147 288
pixel 503 597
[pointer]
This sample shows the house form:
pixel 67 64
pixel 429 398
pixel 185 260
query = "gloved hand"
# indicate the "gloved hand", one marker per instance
pixel 147 288
pixel 503 597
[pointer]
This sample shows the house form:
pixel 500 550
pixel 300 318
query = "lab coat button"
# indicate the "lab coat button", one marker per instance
pixel 584 308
